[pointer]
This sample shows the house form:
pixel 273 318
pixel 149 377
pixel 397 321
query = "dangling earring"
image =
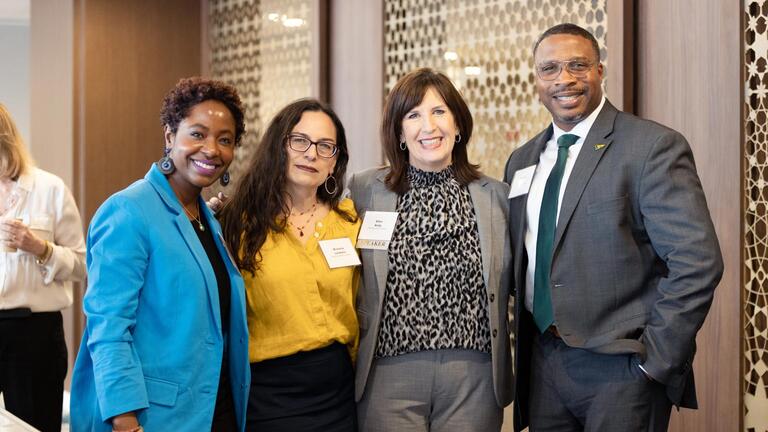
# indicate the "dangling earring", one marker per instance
pixel 165 164
pixel 403 146
pixel 458 137
pixel 224 179
pixel 335 185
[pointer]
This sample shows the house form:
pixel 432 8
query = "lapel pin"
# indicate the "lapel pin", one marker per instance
pixel 599 146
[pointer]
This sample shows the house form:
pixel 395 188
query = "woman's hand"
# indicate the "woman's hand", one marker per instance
pixel 19 236
pixel 125 422
pixel 217 203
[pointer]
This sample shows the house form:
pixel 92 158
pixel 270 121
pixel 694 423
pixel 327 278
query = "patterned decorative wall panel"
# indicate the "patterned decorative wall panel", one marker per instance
pixel 234 29
pixel 263 48
pixel 485 48
pixel 756 216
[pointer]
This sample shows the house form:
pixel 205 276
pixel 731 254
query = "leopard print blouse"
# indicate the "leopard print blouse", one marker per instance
pixel 435 295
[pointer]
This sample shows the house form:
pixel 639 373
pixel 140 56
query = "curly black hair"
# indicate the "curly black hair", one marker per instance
pixel 189 92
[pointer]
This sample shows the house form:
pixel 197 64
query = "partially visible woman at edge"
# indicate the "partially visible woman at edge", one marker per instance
pixel 165 345
pixel 301 313
pixel 43 252
pixel 434 342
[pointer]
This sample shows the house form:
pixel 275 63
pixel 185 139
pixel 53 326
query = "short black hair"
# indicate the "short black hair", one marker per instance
pixel 571 29
pixel 189 92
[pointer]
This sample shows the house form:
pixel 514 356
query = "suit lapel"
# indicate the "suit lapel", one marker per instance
pixel 194 245
pixel 383 199
pixel 163 189
pixel 481 200
pixel 595 145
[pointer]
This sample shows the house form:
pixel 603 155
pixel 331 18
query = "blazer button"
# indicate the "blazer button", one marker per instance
pixel 492 297
pixel 494 332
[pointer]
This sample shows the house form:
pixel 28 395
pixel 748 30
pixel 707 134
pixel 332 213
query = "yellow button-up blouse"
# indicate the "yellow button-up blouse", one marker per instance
pixel 295 301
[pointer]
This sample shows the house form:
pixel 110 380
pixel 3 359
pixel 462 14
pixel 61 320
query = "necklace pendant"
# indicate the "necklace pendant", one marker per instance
pixel 202 228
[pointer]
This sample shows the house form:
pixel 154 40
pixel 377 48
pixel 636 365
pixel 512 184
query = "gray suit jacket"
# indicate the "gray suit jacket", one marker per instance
pixel 635 257
pixel 369 192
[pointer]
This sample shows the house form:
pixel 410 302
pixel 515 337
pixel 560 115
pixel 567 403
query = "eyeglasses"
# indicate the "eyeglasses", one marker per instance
pixel 551 70
pixel 301 143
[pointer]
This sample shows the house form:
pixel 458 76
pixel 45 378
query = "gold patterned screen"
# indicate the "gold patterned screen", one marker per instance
pixel 485 48
pixel 756 216
pixel 262 47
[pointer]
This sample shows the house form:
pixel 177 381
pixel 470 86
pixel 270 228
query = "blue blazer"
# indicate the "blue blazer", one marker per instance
pixel 153 340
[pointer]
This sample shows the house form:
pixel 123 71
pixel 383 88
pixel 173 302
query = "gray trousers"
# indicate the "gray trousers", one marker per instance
pixel 436 391
pixel 574 389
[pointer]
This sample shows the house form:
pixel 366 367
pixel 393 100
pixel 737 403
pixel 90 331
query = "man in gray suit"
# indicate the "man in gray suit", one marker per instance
pixel 616 258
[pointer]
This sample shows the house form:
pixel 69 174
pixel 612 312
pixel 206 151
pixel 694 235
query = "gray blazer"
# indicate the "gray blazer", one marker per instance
pixel 369 192
pixel 635 257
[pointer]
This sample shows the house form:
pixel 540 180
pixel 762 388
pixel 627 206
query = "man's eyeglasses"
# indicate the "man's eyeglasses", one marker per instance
pixel 551 70
pixel 301 143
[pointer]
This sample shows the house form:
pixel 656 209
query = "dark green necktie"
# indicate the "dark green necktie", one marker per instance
pixel 542 300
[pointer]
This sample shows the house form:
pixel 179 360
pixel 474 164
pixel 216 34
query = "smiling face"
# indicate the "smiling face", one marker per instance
pixel 569 99
pixel 202 148
pixel 306 170
pixel 429 130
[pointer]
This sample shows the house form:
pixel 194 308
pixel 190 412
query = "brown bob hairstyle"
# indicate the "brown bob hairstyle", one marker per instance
pixel 407 93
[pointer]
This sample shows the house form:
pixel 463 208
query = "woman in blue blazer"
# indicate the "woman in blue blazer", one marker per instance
pixel 166 343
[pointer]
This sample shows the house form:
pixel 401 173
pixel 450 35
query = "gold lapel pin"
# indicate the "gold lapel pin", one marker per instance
pixel 599 146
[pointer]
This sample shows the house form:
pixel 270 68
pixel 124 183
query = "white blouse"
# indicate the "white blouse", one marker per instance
pixel 46 206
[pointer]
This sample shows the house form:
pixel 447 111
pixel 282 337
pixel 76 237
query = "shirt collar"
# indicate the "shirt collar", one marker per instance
pixel 26 180
pixel 582 128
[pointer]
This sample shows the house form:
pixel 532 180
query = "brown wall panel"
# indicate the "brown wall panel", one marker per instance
pixel 688 78
pixel 129 54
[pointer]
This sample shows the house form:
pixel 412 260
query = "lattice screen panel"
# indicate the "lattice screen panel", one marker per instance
pixel 756 216
pixel 262 47
pixel 485 48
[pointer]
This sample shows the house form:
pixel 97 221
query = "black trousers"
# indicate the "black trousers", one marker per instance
pixel 33 365
pixel 308 391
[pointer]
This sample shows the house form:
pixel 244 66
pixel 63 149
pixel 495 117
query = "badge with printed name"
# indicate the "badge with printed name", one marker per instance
pixel 521 182
pixel 339 252
pixel 376 230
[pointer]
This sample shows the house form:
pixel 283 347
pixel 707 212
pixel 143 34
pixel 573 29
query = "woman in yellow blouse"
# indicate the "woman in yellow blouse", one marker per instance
pixel 301 314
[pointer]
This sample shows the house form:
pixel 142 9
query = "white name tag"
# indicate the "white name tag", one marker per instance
pixel 521 182
pixel 376 230
pixel 339 252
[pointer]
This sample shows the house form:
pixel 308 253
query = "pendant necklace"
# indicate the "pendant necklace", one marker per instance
pixel 196 219
pixel 311 215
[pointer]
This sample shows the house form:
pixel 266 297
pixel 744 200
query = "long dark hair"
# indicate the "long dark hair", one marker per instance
pixel 407 93
pixel 259 205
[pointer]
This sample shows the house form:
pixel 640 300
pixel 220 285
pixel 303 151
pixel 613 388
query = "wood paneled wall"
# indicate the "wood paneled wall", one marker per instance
pixel 128 54
pixel 688 78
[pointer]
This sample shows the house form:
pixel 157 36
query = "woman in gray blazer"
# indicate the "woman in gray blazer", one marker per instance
pixel 434 349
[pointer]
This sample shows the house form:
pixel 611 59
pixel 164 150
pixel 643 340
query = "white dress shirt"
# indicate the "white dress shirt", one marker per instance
pixel 535 194
pixel 46 206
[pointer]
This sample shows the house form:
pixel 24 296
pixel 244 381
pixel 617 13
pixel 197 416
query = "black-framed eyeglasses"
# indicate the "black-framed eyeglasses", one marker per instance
pixel 301 143
pixel 549 71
